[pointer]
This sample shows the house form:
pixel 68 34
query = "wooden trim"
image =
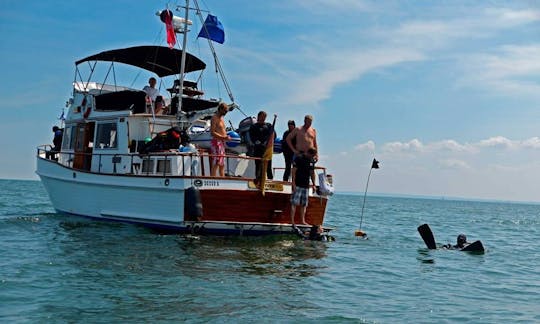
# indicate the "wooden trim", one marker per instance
pixel 251 206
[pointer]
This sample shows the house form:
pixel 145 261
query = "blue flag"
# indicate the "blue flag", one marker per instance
pixel 212 29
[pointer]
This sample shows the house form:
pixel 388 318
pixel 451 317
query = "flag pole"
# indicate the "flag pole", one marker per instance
pixel 183 61
pixel 359 232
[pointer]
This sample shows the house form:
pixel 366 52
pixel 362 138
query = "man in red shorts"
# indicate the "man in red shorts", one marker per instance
pixel 219 137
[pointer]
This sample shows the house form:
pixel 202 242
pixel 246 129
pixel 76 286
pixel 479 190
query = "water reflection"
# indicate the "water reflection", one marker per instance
pixel 282 256
pixel 91 245
pixel 425 256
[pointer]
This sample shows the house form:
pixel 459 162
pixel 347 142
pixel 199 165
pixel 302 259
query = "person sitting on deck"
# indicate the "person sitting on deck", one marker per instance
pixel 152 94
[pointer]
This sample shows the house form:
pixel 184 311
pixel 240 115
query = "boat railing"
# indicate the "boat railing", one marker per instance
pixel 168 163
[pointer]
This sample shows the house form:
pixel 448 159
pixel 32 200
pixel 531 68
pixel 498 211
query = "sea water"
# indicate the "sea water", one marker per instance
pixel 56 268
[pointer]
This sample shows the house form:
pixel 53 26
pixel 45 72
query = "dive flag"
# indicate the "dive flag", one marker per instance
pixel 212 29
pixel 375 164
pixel 167 16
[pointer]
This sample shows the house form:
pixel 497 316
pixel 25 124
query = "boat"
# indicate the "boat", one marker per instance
pixel 122 161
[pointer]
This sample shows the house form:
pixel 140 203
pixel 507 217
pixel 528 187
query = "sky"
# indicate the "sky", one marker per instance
pixel 445 94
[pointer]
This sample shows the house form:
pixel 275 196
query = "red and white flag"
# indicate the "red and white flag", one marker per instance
pixel 167 17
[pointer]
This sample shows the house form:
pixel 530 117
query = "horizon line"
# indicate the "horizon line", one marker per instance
pixel 396 195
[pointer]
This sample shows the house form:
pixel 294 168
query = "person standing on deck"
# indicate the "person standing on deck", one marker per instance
pixel 287 150
pixel 259 134
pixel 57 143
pixel 219 136
pixel 305 136
pixel 302 172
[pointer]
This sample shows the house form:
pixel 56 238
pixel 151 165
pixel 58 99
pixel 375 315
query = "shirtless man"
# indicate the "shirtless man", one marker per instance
pixel 219 136
pixel 306 137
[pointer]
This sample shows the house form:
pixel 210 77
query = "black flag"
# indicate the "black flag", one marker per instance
pixel 375 164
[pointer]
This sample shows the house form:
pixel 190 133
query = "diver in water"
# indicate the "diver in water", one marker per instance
pixel 461 243
pixel 316 233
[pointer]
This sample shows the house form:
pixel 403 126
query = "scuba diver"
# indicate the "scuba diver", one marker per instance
pixel 461 243
pixel 316 233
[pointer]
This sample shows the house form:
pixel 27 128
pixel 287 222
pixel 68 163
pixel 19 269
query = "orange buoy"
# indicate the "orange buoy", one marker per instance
pixel 360 233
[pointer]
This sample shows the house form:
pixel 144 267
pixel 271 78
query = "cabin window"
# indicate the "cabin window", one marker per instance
pixel 106 137
pixel 68 141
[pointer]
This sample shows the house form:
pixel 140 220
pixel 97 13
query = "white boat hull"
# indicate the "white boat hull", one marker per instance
pixel 155 202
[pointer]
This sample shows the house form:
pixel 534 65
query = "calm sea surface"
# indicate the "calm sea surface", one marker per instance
pixel 54 268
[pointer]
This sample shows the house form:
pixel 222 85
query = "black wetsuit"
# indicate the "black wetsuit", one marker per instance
pixel 314 235
pixel 259 134
pixel 287 154
pixel 57 140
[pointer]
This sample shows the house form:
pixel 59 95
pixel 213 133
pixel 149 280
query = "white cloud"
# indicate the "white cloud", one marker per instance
pixel 412 146
pixel 533 142
pixel 482 169
pixel 315 63
pixel 449 145
pixel 430 34
pixel 340 67
pixel 510 69
pixel 367 146
pixel 510 18
pixel 497 141
pixel 417 41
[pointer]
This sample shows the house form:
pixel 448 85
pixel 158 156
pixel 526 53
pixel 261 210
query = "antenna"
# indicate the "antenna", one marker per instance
pixel 359 232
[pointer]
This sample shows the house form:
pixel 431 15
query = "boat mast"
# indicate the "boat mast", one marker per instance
pixel 183 61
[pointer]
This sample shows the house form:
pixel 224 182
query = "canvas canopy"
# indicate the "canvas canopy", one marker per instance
pixel 163 61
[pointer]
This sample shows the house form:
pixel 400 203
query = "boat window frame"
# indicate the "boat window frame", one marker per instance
pixel 98 135
pixel 68 140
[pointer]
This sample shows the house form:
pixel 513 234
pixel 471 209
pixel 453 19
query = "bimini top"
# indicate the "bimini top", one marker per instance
pixel 163 61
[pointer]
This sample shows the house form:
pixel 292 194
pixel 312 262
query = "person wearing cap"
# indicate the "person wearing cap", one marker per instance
pixel 305 137
pixel 287 150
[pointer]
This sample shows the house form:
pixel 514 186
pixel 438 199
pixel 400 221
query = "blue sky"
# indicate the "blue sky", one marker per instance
pixel 446 94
